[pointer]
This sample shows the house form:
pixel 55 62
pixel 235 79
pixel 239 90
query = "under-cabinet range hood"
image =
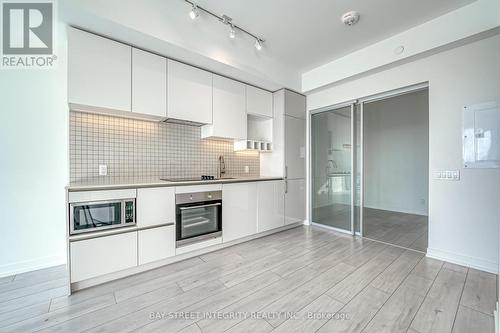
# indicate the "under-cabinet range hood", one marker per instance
pixel 183 122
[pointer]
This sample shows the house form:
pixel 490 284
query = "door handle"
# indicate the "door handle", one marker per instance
pixel 200 206
pixel 286 186
pixel 286 172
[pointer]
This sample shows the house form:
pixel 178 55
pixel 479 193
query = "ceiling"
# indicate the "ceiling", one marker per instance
pixel 306 33
pixel 300 34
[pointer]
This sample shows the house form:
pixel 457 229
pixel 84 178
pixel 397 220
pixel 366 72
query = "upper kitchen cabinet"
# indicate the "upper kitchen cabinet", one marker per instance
pixel 99 72
pixel 189 93
pixel 259 102
pixel 295 151
pixel 229 114
pixel 149 84
pixel 295 104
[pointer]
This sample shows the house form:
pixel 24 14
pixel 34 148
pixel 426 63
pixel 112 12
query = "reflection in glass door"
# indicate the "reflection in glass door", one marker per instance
pixel 332 159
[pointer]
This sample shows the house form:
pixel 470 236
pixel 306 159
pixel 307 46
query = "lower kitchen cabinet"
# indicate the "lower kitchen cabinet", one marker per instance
pixel 295 201
pixel 271 205
pixel 156 244
pixel 239 210
pixel 98 256
pixel 155 206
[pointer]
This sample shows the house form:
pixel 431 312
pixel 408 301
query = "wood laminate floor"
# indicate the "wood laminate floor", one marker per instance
pixel 406 230
pixel 301 280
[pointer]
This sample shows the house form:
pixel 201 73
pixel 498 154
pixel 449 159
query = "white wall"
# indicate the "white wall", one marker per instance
pixel 396 153
pixel 463 215
pixel 34 166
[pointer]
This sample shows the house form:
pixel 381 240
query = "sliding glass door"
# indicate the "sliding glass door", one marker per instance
pixel 332 160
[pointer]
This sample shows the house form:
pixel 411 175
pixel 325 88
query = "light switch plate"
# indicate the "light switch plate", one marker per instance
pixel 447 175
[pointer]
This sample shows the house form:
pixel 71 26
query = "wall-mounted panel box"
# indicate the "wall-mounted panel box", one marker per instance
pixel 481 135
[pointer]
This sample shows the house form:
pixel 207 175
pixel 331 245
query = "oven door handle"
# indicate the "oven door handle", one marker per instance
pixel 200 206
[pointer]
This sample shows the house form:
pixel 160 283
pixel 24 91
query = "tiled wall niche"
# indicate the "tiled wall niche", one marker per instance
pixel 137 148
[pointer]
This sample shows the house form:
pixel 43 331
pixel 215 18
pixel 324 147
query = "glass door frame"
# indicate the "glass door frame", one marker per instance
pixel 352 104
pixel 360 102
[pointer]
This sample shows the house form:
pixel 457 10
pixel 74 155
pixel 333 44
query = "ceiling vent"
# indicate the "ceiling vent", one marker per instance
pixel 350 18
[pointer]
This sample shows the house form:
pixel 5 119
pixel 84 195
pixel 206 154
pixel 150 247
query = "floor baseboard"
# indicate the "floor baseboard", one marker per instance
pixel 459 259
pixel 31 265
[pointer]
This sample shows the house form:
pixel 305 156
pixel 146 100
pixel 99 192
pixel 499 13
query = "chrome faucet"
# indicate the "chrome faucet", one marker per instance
pixel 331 164
pixel 221 170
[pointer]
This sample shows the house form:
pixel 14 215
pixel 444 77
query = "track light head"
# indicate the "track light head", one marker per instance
pixel 258 44
pixel 232 32
pixel 194 13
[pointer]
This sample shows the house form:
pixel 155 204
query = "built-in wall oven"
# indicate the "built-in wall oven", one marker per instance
pixel 101 215
pixel 198 217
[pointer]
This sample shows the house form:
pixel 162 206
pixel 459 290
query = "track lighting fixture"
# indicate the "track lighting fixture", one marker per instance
pixel 258 44
pixel 224 19
pixel 232 32
pixel 194 13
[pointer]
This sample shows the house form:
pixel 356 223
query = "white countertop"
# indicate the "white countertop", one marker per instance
pixel 95 184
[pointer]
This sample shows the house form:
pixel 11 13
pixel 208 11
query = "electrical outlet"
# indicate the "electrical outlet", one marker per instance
pixel 247 169
pixel 103 170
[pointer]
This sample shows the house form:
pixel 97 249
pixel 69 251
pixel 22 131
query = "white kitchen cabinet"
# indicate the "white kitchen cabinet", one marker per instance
pixel 295 201
pixel 271 205
pixel 259 102
pixel 295 151
pixel 229 115
pixel 189 93
pixel 98 256
pixel 156 244
pixel 239 210
pixel 295 104
pixel 149 84
pixel 99 72
pixel 155 206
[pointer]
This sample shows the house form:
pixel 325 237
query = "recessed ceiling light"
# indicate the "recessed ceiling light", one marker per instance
pixel 350 18
pixel 194 13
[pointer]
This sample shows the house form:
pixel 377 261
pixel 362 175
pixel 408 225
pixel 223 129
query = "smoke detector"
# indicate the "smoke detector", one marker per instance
pixel 350 18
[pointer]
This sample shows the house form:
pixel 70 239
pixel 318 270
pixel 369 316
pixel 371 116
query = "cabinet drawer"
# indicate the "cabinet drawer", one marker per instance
pixel 156 244
pixel 155 206
pixel 98 256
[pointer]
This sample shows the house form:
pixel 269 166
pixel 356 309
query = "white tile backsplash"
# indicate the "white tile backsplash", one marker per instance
pixel 137 148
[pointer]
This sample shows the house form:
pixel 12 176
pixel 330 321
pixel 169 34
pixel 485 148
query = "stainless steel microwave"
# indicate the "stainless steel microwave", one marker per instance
pixel 101 215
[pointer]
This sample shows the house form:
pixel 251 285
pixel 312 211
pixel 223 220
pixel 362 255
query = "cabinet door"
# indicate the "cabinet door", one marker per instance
pixel 189 93
pixel 271 205
pixel 229 115
pixel 239 210
pixel 259 101
pixel 149 84
pixel 295 104
pixel 295 201
pixel 155 206
pixel 156 244
pixel 295 141
pixel 99 71
pixel 98 256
